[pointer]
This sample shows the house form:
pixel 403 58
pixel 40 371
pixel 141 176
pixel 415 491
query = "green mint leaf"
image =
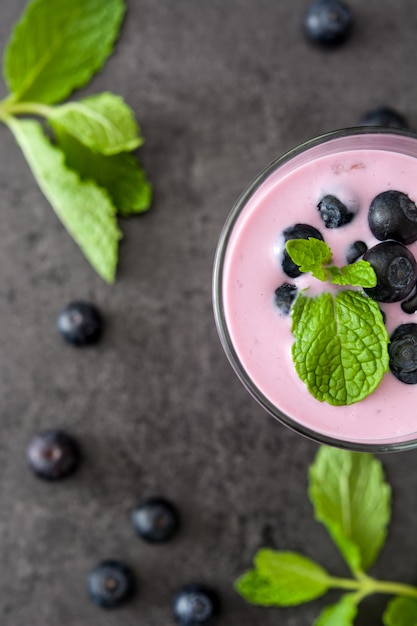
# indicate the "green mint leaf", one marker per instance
pixel 353 501
pixel 57 46
pixel 84 208
pixel 341 614
pixel 282 579
pixel 257 589
pixel 120 174
pixel 359 274
pixel 104 123
pixel 310 254
pixel 401 612
pixel 340 348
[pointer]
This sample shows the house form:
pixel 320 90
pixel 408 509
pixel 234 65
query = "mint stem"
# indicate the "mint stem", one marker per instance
pixel 367 586
pixel 24 108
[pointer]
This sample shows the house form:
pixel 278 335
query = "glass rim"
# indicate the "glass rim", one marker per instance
pixel 386 445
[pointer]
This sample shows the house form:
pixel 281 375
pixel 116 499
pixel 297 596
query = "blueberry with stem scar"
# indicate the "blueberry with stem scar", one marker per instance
pixel 403 353
pixel 396 271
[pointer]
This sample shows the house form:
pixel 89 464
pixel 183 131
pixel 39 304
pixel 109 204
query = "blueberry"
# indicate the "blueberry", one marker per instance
pixel 284 297
pixel 392 215
pixel 410 306
pixel 396 271
pixel 403 353
pixel 80 323
pixel 298 231
pixel 155 520
pixel 328 22
pixel 333 212
pixel 384 116
pixel 53 454
pixel 195 604
pixel 355 251
pixel 110 584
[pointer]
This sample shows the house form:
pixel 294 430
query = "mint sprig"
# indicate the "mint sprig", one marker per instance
pixel 352 499
pixel 313 255
pixel 340 348
pixel 88 171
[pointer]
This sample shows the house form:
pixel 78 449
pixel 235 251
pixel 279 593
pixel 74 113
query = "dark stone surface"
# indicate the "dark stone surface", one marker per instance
pixel 220 89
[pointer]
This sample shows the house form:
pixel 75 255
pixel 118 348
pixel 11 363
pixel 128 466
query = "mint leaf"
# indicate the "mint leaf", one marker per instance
pixel 104 123
pixel 359 274
pixel 313 255
pixel 401 612
pixel 340 348
pixel 310 254
pixel 258 589
pixel 283 579
pixel 58 45
pixel 352 499
pixel 84 208
pixel 120 174
pixel 341 614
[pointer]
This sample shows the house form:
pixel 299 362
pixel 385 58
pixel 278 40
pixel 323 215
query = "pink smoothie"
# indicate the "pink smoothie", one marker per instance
pixel 354 169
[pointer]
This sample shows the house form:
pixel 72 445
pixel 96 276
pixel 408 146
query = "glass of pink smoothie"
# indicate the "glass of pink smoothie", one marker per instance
pixel 354 165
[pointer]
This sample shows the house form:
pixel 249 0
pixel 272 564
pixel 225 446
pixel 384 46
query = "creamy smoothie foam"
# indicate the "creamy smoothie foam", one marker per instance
pixel 257 337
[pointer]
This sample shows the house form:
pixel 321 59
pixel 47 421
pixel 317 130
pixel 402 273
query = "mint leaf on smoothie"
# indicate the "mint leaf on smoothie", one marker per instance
pixel 314 255
pixel 353 501
pixel 310 255
pixel 340 346
pixel 359 274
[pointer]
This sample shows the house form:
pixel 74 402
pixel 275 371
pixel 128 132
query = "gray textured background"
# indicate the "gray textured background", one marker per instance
pixel 220 88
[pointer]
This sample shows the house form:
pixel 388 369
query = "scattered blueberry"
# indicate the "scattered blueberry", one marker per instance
pixel 396 271
pixel 328 22
pixel 53 454
pixel 333 212
pixel 195 604
pixel 384 116
pixel 403 353
pixel 80 323
pixel 298 231
pixel 410 306
pixel 355 251
pixel 111 584
pixel 284 297
pixel 392 215
pixel 156 520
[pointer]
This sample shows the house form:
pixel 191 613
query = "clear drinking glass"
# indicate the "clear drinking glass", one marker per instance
pixel 357 163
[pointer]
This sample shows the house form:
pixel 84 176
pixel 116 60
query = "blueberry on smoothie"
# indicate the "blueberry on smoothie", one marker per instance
pixel 328 22
pixel 111 584
pixel 403 353
pixel 393 215
pixel 298 231
pixel 333 212
pixel 195 604
pixel 396 271
pixel 284 297
pixel 410 306
pixel 355 251
pixel 156 520
pixel 53 454
pixel 384 116
pixel 80 323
